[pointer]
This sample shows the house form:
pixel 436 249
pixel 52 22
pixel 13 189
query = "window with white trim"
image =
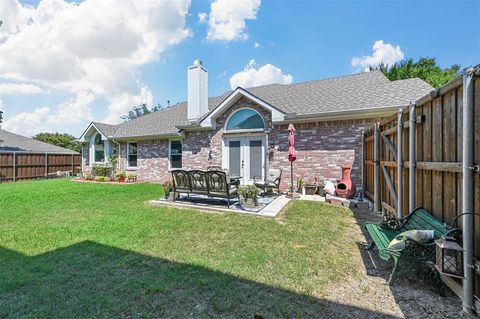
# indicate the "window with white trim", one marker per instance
pixel 175 154
pixel 132 154
pixel 99 149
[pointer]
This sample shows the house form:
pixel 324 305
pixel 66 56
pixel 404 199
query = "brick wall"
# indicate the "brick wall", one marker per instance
pixel 152 157
pixel 322 148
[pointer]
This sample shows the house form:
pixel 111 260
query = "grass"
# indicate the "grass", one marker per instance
pixel 90 250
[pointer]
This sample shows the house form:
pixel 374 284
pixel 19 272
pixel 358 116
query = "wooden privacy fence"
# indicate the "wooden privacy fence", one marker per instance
pixel 437 168
pixel 29 165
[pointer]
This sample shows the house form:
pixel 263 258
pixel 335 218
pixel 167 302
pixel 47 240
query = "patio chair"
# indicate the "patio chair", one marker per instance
pixel 272 180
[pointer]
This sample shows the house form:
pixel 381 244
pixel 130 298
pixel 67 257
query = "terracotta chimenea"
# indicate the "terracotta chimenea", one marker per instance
pixel 346 188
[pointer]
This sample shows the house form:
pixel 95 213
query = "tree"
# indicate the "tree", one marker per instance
pixel 425 69
pixel 1 117
pixel 140 110
pixel 64 140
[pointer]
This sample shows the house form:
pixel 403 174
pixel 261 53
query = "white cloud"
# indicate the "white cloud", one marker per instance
pixel 20 88
pixel 256 45
pixel 202 17
pixel 226 21
pixel 75 110
pixel 267 74
pixel 28 124
pixel 382 53
pixel 122 103
pixel 42 119
pixel 91 49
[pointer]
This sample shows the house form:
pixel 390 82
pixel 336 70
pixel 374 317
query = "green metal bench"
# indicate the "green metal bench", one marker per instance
pixel 415 256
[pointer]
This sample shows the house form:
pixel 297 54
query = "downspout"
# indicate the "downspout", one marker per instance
pixel 468 195
pixel 412 158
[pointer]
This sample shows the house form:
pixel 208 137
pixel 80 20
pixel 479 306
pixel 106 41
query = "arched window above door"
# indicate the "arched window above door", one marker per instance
pixel 245 119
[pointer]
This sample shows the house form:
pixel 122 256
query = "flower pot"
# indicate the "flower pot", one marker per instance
pixel 248 203
pixel 121 179
pixel 303 190
pixel 310 189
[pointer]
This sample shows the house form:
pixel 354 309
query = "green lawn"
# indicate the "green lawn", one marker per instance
pixel 95 250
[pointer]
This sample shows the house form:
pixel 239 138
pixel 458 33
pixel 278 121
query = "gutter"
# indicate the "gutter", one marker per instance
pixel 146 137
pixel 341 115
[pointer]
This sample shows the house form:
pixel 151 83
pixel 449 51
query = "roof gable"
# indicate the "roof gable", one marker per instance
pixel 208 119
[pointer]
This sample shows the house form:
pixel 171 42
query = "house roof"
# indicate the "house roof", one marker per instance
pixel 363 91
pixel 12 142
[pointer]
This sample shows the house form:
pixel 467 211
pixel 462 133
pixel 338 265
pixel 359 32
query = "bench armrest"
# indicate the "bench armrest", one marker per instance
pixel 259 178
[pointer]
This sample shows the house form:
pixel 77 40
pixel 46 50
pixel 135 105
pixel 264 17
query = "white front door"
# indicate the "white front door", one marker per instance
pixel 245 157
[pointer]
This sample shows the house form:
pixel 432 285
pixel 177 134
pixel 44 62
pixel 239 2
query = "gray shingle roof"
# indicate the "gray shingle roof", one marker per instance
pixel 14 142
pixel 368 90
pixel 106 129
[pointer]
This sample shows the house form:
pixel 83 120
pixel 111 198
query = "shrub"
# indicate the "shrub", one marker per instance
pixel 101 170
pixel 167 188
pixel 101 178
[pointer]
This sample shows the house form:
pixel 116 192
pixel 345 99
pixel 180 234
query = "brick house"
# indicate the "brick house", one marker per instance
pixel 245 130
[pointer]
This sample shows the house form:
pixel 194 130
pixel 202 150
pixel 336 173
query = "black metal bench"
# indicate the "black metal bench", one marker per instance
pixel 414 256
pixel 214 183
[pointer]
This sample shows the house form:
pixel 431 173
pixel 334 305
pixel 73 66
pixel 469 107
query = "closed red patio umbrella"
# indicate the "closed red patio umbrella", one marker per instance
pixel 291 153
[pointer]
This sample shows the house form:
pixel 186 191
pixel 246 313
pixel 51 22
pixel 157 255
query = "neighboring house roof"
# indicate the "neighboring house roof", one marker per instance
pixel 363 91
pixel 18 143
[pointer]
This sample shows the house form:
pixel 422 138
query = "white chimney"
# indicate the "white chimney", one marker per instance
pixel 197 90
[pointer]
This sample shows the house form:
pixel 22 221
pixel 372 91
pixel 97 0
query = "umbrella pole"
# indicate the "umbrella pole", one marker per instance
pixel 291 177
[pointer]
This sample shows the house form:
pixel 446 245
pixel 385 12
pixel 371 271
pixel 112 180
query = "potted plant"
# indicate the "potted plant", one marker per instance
pixel 248 195
pixel 301 186
pixel 121 176
pixel 167 188
pixel 131 177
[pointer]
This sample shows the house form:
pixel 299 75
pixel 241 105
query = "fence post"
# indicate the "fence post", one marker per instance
pixel 376 175
pixel 46 164
pixel 412 158
pixel 399 164
pixel 468 189
pixel 14 166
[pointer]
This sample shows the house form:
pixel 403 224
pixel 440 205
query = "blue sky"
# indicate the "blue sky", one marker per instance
pixel 69 77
